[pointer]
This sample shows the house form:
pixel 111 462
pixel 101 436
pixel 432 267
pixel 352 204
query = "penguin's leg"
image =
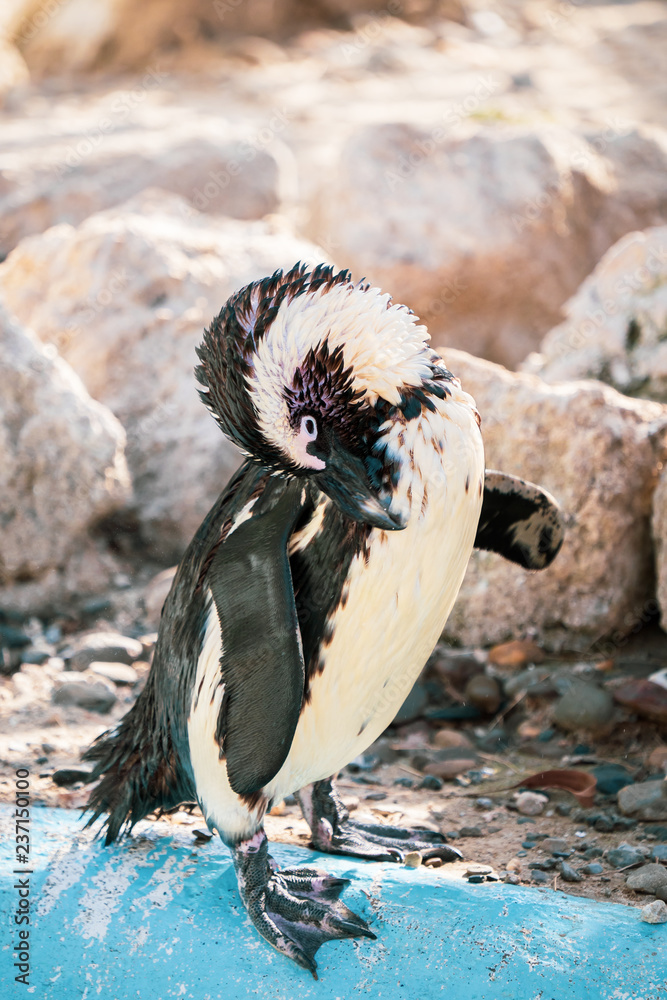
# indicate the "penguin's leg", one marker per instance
pixel 334 832
pixel 295 910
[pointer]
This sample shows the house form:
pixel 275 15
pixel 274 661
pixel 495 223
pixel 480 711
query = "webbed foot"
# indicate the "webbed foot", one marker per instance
pixel 295 910
pixel 334 832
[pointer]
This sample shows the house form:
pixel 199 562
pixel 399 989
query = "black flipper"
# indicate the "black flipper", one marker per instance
pixel 520 521
pixel 262 659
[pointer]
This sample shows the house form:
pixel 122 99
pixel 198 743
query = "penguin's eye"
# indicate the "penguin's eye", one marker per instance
pixel 309 428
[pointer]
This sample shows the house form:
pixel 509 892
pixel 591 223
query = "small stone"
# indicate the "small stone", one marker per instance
pixel 568 874
pixel 531 803
pixel 431 782
pixel 655 912
pixel 413 706
pixel 657 832
pixel 528 844
pixel 645 698
pixel 203 836
pixel 517 653
pixel 452 834
pixel 584 706
pixel 433 863
pixel 511 879
pixel 476 879
pixel 404 782
pixel 539 877
pixel 648 879
pixel 449 768
pixel 535 681
pixel 471 831
pixel 119 673
pixel 604 824
pixel 593 852
pixel 109 647
pixel 484 693
pixel 483 803
pixel 611 778
pixel 412 859
pixel 594 868
pixel 522 820
pixel 624 855
pixel 477 869
pixel 95 697
pixel 376 796
pixel 36 656
pixel 521 854
pixel 446 738
pixel 514 865
pixel 546 865
pixel 67 776
pixel 659 852
pixel 645 801
pixel 554 845
pixel 657 759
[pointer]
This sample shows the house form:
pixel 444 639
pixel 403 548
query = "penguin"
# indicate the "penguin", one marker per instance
pixel 316 588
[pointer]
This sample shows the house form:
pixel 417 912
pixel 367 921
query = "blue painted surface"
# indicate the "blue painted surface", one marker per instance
pixel 155 918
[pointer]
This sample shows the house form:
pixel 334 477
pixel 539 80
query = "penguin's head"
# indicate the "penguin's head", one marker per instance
pixel 301 370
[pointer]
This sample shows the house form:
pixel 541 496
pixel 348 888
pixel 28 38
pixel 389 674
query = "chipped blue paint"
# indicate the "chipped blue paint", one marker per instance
pixel 155 917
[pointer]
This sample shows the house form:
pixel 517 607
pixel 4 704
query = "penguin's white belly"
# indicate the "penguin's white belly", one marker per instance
pixel 398 601
pixel 399 595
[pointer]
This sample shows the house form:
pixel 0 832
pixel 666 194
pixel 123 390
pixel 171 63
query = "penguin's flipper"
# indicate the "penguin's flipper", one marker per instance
pixel 520 521
pixel 262 659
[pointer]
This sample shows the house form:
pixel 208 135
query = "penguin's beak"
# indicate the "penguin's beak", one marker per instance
pixel 346 481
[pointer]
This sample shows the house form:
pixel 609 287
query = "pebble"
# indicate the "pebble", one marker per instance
pixel 645 801
pixel 109 647
pixel 483 804
pixel 511 879
pixel 657 759
pixel 584 706
pixel 412 859
pixel 611 778
pixel 595 868
pixel 431 782
pixel 554 845
pixel 449 768
pixel 484 693
pixel 647 879
pixel 446 738
pixel 69 776
pixel 516 653
pixel 477 869
pixel 471 831
pixel 523 820
pixel 655 912
pixel 413 706
pixel 541 878
pixel 434 863
pixel 96 697
pixel 568 874
pixel 531 803
pixel 659 852
pixel 593 852
pixel 476 879
pixel 452 834
pixel 404 782
pixel 376 796
pixel 536 681
pixel 547 865
pixel 119 673
pixel 514 865
pixel 645 698
pixel 624 855
pixel 529 844
pixel 563 808
pixel 36 656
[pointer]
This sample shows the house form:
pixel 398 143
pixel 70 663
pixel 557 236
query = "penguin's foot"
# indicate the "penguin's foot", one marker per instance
pixel 296 910
pixel 334 832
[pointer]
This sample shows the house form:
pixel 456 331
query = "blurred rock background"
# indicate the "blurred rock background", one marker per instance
pixel 501 167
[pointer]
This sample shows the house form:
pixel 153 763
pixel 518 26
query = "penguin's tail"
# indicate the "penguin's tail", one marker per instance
pixel 139 767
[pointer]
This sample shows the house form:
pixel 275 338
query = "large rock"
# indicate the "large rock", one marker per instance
pixel 125 298
pixel 616 326
pixel 62 469
pixel 598 453
pixel 93 160
pixel 486 232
